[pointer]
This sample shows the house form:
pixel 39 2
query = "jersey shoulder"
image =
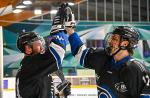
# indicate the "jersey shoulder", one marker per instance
pixel 136 65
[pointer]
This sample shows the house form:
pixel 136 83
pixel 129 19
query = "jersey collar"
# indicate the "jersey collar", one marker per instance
pixel 117 65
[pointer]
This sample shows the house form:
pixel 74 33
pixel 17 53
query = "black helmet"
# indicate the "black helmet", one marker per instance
pixel 126 33
pixel 129 34
pixel 27 38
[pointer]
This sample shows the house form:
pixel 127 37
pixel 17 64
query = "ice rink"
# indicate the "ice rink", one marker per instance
pixel 77 91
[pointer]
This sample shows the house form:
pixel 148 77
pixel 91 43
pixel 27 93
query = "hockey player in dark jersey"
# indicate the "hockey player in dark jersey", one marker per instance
pixel 33 79
pixel 118 75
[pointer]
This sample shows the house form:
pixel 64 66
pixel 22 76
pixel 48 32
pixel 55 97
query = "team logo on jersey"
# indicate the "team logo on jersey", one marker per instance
pixel 59 38
pixel 121 87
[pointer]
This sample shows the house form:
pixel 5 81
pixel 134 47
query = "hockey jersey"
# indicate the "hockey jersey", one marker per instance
pixel 127 78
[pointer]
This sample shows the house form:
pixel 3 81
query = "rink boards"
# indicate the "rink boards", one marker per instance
pixel 82 87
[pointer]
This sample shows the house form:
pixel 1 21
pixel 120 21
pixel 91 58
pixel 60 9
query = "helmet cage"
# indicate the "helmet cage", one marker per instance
pixel 126 33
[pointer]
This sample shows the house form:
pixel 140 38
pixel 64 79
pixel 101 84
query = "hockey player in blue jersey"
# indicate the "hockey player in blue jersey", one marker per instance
pixel 118 74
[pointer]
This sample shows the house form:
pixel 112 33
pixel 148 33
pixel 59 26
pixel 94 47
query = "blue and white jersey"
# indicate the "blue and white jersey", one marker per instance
pixel 58 53
pixel 57 46
pixel 126 78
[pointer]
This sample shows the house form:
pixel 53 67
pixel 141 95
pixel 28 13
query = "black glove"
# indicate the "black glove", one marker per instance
pixel 59 19
pixel 67 90
pixel 69 17
pixel 65 87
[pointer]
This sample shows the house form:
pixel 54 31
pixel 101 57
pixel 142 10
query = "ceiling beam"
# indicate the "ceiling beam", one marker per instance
pixel 13 18
pixel 4 3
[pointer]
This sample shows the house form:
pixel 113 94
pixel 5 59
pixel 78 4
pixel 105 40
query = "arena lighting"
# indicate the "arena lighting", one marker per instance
pixel 17 11
pixel 37 11
pixel 20 6
pixel 53 11
pixel 27 2
pixel 71 4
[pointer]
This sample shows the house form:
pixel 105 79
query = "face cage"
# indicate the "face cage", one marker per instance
pixel 132 43
pixel 107 47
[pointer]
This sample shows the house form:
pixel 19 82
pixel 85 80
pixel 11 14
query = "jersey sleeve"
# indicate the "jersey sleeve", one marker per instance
pixel 92 58
pixel 57 46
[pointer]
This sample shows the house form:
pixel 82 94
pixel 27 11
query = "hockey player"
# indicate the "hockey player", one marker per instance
pixel 118 75
pixel 40 60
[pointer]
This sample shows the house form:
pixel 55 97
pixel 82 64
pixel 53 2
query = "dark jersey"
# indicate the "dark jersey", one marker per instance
pixel 123 79
pixel 33 79
pixel 127 78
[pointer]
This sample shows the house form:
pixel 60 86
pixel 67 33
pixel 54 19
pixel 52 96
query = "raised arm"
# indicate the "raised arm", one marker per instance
pixel 93 58
pixel 57 47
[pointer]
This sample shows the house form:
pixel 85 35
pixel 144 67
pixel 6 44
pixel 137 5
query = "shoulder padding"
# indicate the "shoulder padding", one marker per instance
pixel 137 64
